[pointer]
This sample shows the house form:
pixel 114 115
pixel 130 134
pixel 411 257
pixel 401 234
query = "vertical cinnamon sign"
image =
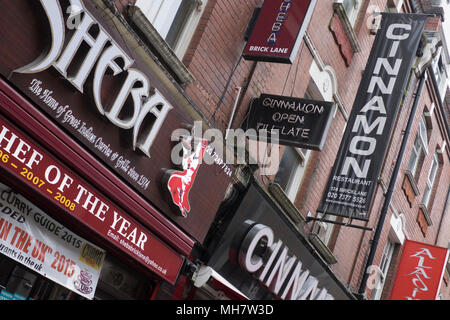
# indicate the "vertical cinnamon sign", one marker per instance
pixel 355 172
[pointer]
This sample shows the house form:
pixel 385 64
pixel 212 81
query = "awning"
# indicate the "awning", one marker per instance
pixel 208 279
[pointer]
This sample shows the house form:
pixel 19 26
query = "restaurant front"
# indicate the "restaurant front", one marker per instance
pixel 92 204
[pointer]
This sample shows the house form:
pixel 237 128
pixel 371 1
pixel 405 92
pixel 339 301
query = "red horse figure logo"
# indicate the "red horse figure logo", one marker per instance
pixel 180 182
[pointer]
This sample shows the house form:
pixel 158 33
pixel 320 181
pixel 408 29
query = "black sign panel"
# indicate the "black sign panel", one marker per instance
pixel 290 263
pixel 355 172
pixel 300 123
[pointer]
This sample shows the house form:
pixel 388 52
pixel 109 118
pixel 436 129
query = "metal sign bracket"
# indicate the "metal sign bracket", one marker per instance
pixel 345 224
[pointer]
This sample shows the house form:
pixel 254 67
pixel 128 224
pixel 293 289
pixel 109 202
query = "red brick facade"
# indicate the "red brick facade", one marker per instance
pixel 213 56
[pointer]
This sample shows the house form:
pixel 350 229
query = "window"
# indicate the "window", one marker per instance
pixel 394 6
pixel 441 70
pixel 344 28
pixel 384 267
pixel 423 133
pixel 324 230
pixel 175 20
pixel 351 8
pixel 430 181
pixel 290 170
pixel 419 150
pixel 417 156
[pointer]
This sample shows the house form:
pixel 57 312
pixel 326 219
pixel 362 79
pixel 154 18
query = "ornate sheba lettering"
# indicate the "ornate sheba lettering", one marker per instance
pixel 103 55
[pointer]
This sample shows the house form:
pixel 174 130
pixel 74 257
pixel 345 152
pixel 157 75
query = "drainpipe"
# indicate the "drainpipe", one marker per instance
pixel 392 182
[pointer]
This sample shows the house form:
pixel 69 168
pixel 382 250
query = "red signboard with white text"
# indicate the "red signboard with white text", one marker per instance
pixel 29 163
pixel 279 30
pixel 420 272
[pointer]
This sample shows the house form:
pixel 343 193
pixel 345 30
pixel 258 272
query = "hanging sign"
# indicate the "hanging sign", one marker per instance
pixel 354 176
pixel 301 123
pixel 420 272
pixel 279 30
pixel 32 238
pixel 30 164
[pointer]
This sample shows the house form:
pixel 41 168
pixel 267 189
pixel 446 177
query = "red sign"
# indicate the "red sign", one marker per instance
pixel 279 30
pixel 54 181
pixel 420 272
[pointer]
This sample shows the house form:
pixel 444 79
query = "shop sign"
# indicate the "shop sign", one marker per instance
pixel 79 71
pixel 277 268
pixel 32 238
pixel 301 123
pixel 279 30
pixel 262 254
pixel 46 175
pixel 355 173
pixel 420 272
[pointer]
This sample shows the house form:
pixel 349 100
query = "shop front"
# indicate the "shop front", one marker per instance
pixel 261 255
pixel 93 205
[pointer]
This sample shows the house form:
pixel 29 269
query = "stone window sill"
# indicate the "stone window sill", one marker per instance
pixel 423 219
pixel 426 214
pixel 285 203
pixel 340 11
pixel 324 251
pixel 412 181
pixel 160 45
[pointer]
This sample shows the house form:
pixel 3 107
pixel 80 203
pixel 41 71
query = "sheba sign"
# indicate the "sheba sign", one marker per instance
pixel 78 70
pixel 358 164
pixel 279 30
pixel 61 57
pixel 300 123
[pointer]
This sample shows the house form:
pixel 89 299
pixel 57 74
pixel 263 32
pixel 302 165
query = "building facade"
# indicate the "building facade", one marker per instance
pixel 103 102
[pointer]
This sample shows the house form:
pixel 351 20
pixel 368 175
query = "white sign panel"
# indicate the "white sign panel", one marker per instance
pixel 32 238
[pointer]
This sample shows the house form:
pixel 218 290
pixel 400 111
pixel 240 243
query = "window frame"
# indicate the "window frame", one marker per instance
pixel 418 152
pixel 294 181
pixel 160 13
pixel 324 230
pixel 166 16
pixel 385 263
pixel 352 14
pixel 423 133
pixel 429 184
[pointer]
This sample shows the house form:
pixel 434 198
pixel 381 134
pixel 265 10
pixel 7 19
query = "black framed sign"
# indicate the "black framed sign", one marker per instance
pixel 301 123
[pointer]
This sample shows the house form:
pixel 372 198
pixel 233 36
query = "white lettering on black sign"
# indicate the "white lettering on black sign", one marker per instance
pixel 363 147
